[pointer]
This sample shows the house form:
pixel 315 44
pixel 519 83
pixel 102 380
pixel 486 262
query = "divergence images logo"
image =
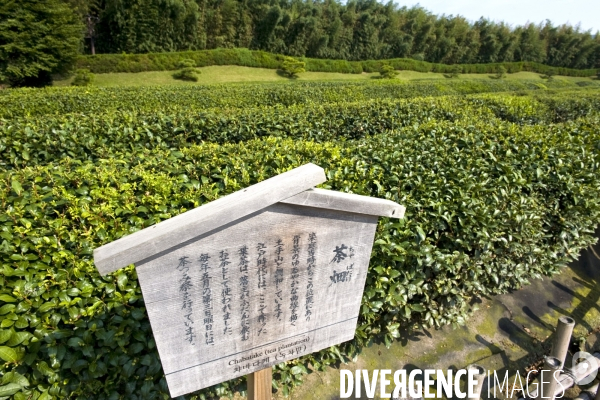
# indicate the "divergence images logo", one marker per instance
pixel 585 362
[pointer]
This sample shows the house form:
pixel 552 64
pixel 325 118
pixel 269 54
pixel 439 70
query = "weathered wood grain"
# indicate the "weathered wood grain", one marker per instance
pixel 355 203
pixel 260 384
pixel 256 278
pixel 174 231
pixel 199 348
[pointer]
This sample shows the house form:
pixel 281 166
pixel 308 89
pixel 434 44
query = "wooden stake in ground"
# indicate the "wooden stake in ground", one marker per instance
pixel 259 384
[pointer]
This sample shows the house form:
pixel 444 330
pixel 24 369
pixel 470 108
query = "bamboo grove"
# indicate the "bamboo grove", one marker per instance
pixel 353 30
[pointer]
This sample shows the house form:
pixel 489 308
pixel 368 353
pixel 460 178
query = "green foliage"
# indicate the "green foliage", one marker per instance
pixel 499 189
pixel 37 39
pixel 83 77
pixel 150 26
pixel 549 75
pixel 500 73
pixel 587 84
pixel 187 74
pixel 188 70
pixel 455 73
pixel 292 67
pixel 104 63
pixel 310 111
pixel 388 72
pixel 187 63
pixel 62 101
pixel 334 30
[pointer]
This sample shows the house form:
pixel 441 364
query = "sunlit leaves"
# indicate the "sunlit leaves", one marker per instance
pixel 499 190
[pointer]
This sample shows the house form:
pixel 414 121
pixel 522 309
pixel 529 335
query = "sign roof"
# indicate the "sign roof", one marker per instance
pixel 292 187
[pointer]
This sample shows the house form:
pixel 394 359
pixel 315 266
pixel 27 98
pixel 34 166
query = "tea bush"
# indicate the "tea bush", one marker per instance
pixel 94 100
pixel 499 189
pixel 26 141
pixel 29 141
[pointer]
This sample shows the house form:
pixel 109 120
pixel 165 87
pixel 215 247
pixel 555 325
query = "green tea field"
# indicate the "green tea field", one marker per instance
pixel 500 179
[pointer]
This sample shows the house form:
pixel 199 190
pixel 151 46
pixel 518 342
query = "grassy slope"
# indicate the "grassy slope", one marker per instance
pixel 232 73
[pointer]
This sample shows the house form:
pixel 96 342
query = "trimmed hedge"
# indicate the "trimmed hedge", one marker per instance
pixel 490 68
pixel 499 189
pixel 60 101
pixel 489 206
pixel 105 63
pixel 32 141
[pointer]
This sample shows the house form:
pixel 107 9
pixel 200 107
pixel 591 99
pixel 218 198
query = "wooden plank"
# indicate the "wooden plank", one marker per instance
pixel 204 219
pixel 355 203
pixel 274 286
pixel 260 384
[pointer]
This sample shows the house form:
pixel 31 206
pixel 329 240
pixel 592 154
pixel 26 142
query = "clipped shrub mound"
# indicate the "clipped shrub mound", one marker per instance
pixel 292 67
pixel 186 74
pixel 188 71
pixel 83 77
pixel 388 72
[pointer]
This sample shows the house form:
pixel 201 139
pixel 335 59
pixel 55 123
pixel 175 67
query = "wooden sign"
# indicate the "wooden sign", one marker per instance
pixel 256 278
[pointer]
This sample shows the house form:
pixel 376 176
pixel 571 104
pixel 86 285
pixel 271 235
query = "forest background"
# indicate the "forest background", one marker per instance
pixel 355 30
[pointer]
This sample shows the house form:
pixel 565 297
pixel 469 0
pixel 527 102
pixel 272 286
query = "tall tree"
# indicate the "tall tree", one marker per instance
pixel 143 26
pixel 37 39
pixel 89 13
pixel 531 46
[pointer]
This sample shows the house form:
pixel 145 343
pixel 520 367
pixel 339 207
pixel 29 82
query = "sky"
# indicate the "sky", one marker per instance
pixel 518 12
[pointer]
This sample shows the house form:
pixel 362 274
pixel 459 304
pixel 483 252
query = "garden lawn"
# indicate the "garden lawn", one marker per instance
pixel 234 73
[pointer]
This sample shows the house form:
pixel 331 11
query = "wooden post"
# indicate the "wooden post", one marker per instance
pixel 259 384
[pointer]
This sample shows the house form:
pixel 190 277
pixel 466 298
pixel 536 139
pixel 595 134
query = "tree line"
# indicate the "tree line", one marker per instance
pixel 356 30
pixel 39 38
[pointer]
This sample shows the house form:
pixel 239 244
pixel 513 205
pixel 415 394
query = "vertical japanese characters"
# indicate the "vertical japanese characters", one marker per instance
pixel 185 285
pixel 244 293
pixel 261 264
pixel 310 273
pixel 294 280
pixel 278 279
pixel 249 289
pixel 207 299
pixel 225 292
pixel 342 252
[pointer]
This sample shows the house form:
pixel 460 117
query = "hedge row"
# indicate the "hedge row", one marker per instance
pixel 490 205
pixel 105 63
pixel 38 140
pixel 35 102
pixel 490 68
pixel 541 107
pixel 499 189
